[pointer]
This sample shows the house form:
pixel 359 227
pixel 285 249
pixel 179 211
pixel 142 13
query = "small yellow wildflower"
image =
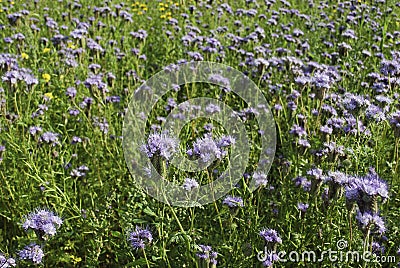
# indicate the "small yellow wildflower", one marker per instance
pixel 46 77
pixel 161 9
pixel 49 95
pixel 145 9
pixel 46 49
pixel 143 5
pixel 140 13
pixel 24 56
pixel 76 260
pixel 163 17
pixel 71 45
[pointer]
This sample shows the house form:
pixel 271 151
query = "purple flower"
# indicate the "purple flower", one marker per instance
pixel 50 137
pixel 73 112
pixel 326 129
pixel 35 129
pixel 298 130
pixel 102 124
pixel 366 220
pixel 160 144
pixel 302 207
pixel 6 262
pixel 32 252
pixel 206 253
pixel 140 237
pixel 233 201
pixel 270 236
pixel 42 221
pixel 113 99
pixel 190 184
pixel 371 185
pixel 141 34
pixel 212 109
pixel 76 140
pixel 207 149
pixel 303 182
pixel 321 80
pixel 260 179
pixel 71 92
pixel 304 142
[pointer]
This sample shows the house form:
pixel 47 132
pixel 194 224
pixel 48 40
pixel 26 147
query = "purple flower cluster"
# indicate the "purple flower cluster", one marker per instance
pixel 161 144
pixel 208 149
pixel 33 252
pixel 43 222
pixel 233 201
pixel 367 219
pixel 140 237
pixel 190 184
pixel 270 236
pixel 206 253
pixel 6 262
pixel 364 190
pixel 79 172
pixel 20 74
pixel 50 138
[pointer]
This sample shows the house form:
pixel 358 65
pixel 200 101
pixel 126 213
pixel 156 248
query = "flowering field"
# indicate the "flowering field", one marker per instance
pixel 328 70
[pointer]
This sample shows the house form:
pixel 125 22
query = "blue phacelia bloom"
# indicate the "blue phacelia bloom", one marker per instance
pixel 270 236
pixel 140 237
pixel 160 144
pixel 6 262
pixel 190 184
pixel 32 252
pixel 206 253
pixel 43 222
pixel 233 201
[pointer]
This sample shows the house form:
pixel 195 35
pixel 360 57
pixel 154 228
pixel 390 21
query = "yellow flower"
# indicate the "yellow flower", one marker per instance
pixel 145 9
pixel 143 5
pixel 46 49
pixel 75 260
pixel 46 77
pixel 140 13
pixel 162 17
pixel 49 95
pixel 160 4
pixel 71 45
pixel 161 9
pixel 24 56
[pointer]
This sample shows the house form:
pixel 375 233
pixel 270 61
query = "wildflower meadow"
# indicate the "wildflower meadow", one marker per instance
pixel 199 133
